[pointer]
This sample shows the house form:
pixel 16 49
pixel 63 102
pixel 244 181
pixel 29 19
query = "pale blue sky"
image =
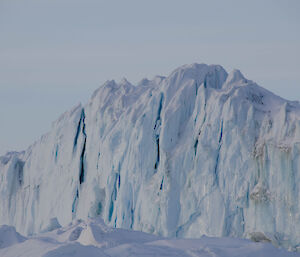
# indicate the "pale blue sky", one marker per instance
pixel 55 53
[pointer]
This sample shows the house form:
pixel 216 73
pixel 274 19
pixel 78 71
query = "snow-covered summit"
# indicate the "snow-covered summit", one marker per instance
pixel 199 152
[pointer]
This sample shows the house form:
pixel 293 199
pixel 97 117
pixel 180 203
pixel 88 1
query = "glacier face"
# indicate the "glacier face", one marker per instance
pixel 200 152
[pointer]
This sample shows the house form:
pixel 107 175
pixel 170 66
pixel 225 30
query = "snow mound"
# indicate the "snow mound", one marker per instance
pixel 76 250
pixel 98 234
pixel 9 236
pixel 50 225
pixel 95 232
pixel 93 238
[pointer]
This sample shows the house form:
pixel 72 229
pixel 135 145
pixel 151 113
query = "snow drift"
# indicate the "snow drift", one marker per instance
pixel 200 152
pixel 9 236
pixel 92 238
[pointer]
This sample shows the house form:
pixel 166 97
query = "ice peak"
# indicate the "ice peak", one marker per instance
pixel 144 82
pixel 110 83
pixel 198 68
pixel 213 76
pixel 155 81
pixel 124 81
pixel 190 69
pixel 158 79
pixel 234 77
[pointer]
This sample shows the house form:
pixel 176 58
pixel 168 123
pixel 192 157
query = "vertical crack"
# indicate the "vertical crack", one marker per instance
pixel 81 120
pixel 201 127
pixel 221 132
pixel 19 166
pixel 80 129
pixel 161 184
pixel 218 154
pixel 81 169
pixel 82 155
pixel 56 153
pixel 157 131
pixel 74 204
pixel 158 118
pixel 195 146
pixel 113 196
pixel 158 153
pixel 132 218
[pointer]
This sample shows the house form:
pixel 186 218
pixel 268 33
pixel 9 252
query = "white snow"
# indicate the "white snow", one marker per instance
pixel 196 153
pixel 93 238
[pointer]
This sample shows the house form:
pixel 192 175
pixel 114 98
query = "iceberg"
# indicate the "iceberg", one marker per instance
pixel 199 152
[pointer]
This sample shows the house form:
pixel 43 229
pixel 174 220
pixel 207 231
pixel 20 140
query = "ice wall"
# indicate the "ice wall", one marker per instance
pixel 198 152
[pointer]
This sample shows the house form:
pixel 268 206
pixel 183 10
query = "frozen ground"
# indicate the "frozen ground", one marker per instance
pixel 94 239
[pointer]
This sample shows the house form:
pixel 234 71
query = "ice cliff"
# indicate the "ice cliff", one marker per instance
pixel 200 152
